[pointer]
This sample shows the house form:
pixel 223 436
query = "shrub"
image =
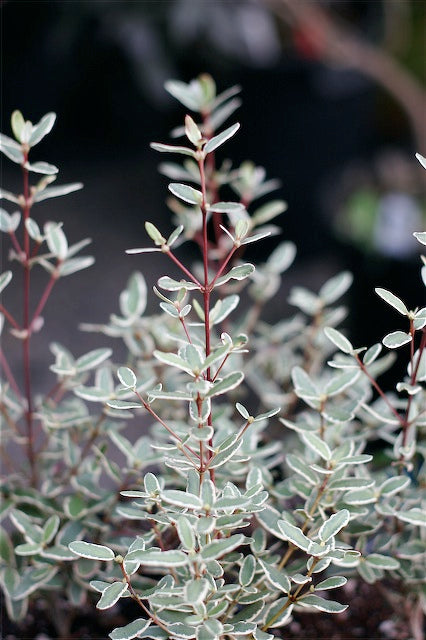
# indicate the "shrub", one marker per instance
pixel 209 524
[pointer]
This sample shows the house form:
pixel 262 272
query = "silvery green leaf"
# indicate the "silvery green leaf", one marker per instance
pixel 360 496
pixel 185 532
pixel 91 551
pixel 24 524
pixel 222 137
pixel 391 486
pixel 420 235
pixel 41 129
pixel 278 578
pixel 372 353
pixel 11 149
pixel 154 234
pixel 422 161
pixel 347 484
pixel 305 300
pixel 111 595
pixel 333 525
pixel 169 148
pixel 267 414
pixel 396 339
pixel 334 582
pixel 50 528
pixel 56 240
pixel 294 535
pixel 215 355
pixel 279 613
pixel 7 195
pixel 226 207
pixel 92 359
pixel 362 458
pixel 281 257
pixel 182 499
pixel 247 570
pixel 379 561
pixel 299 466
pixel 174 235
pixel 54 192
pixel 414 516
pixel 242 411
pixel 256 237
pixel 334 288
pixel 5 278
pixel 28 549
pixel 123 404
pixel 192 131
pixel 219 548
pixel 127 377
pixel 33 230
pixel 173 360
pixel 17 121
pixel 131 630
pixel 186 193
pixel 268 212
pixel 221 114
pixel 329 606
pixel 32 579
pixel 190 95
pixel 393 300
pixel 196 590
pixel 75 264
pixel 42 167
pixel 420 319
pixel 152 558
pixel 341 381
pixel 57 553
pixel 338 339
pixel 176 285
pixel 236 273
pixel 225 384
pixel 318 445
pixel 4 221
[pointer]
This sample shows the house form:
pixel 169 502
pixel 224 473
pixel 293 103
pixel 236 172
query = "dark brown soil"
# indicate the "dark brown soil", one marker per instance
pixel 369 617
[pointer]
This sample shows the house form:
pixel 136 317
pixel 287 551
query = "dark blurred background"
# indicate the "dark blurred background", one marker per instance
pixel 333 106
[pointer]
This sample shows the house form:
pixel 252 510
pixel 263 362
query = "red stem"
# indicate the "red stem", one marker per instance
pixel 44 298
pixel 222 267
pixel 184 269
pixel 9 375
pixel 15 242
pixel 9 317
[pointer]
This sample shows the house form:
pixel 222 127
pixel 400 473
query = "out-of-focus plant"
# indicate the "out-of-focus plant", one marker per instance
pixel 213 527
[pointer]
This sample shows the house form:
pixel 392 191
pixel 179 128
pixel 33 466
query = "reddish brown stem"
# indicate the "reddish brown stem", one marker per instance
pixel 9 375
pixel 184 269
pixel 44 298
pixel 9 317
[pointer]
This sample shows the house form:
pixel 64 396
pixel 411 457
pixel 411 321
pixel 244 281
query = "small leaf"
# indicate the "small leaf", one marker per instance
pixel 42 128
pixel 56 240
pixel 11 149
pixel 393 300
pixel 54 192
pixel 338 339
pixel 396 339
pixel 50 528
pixel 227 383
pixel 422 161
pixel 226 207
pixel 329 606
pixel 414 516
pixel 421 235
pixel 111 595
pixel 318 445
pixel 5 278
pixel 185 532
pixel 182 499
pixel 91 551
pixel 294 535
pixel 169 148
pixel 131 630
pixel 127 377
pixel 148 558
pixel 276 577
pixel 333 525
pixel 42 167
pixel 18 123
pixel 334 288
pixel 192 131
pixel 247 571
pixel 219 548
pixel 334 582
pixel 372 353
pixel 222 137
pixel 186 193
pixel 391 486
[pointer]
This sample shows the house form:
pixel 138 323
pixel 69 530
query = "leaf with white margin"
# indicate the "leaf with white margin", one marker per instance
pixel 329 606
pixel 318 445
pixel 396 339
pixel 222 137
pixel 294 535
pixel 127 377
pixel 422 160
pixel 338 339
pixel 333 525
pixel 421 236
pixel 393 300
pixel 91 550
pixel 42 128
pixel 186 193
pixel 111 595
pixel 131 630
pixel 414 516
pixel 334 288
pixel 5 278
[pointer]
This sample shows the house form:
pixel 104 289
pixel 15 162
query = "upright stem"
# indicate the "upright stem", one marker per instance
pixel 26 327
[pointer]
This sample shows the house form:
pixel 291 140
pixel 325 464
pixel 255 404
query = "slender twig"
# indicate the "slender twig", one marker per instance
pixel 183 268
pixel 9 375
pixel 9 317
pixel 44 297
pixel 222 267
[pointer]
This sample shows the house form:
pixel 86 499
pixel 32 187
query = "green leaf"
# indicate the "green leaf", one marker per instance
pixel 276 577
pixel 236 273
pixel 54 192
pixel 169 148
pixel 56 240
pixel 196 590
pixel 391 486
pixel 192 131
pixel 219 548
pixel 185 532
pixel 182 499
pixel 28 549
pixel 32 579
pixel 396 339
pixel 123 404
pixel 372 353
pixel 341 381
pixel 76 264
pixel 294 535
pixel 414 516
pixel 334 288
pixel 11 149
pixel 42 167
pixel 222 137
pixel 420 235
pixel 333 525
pixel 393 300
pixel 360 496
pixel 91 551
pixel 176 285
pixel 247 571
pixel 329 606
pixel 5 278
pixel 186 193
pixel 299 466
pixel 127 377
pixel 379 561
pixel 42 128
pixel 92 359
pixel 50 528
pixel 226 207
pixel 149 558
pixel 227 383
pixel 111 595
pixel 190 95
pixel 131 630
pixel 268 212
pixel 338 339
pixel 18 123
pixel 318 445
pixel 334 582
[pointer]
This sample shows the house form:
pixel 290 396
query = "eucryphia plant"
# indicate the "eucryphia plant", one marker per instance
pixel 213 527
